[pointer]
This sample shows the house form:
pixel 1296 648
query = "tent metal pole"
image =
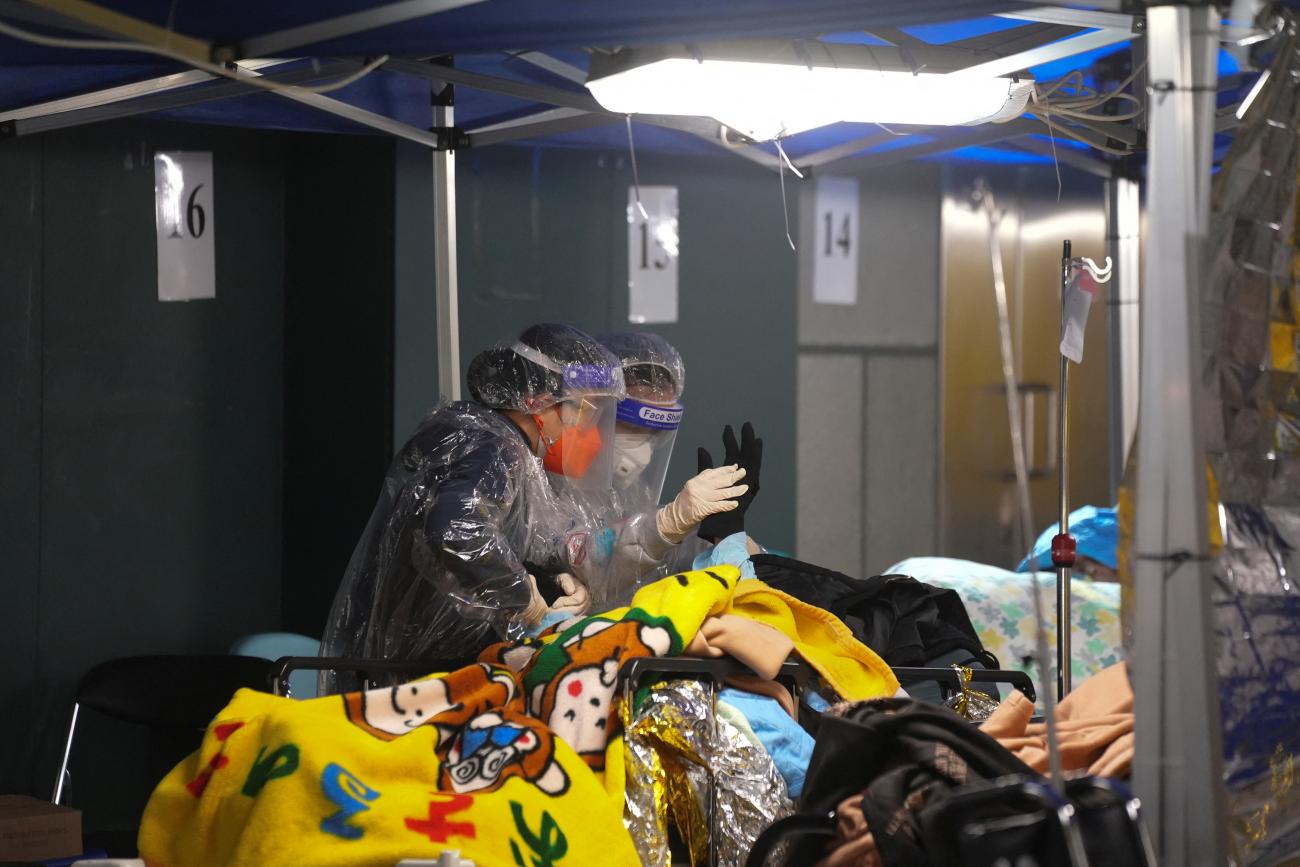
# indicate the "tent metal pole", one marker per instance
pixel 114 103
pixel 271 44
pixel 1087 41
pixel 548 115
pixel 1178 759
pixel 122 92
pixel 954 138
pixel 444 246
pixel 1071 17
pixel 507 132
pixel 129 27
pixel 554 65
pixel 1123 227
pixel 347 111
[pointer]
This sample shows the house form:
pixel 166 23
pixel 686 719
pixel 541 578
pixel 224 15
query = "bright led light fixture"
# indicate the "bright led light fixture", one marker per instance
pixel 769 90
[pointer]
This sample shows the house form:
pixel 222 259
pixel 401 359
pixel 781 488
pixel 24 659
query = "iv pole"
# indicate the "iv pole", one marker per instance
pixel 1063 545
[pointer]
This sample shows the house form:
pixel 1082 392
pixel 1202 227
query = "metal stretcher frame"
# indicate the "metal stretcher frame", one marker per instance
pixel 794 673
pixel 635 670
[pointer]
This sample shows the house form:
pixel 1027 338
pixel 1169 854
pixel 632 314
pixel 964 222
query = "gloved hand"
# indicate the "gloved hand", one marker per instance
pixel 576 600
pixel 537 607
pixel 748 454
pixel 710 492
pixel 546 581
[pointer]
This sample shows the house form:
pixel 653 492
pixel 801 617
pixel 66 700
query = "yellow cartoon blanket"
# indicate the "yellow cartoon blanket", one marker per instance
pixel 501 761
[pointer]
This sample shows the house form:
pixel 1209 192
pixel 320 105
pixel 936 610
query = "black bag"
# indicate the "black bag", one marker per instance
pixel 902 756
pixel 904 621
pixel 935 790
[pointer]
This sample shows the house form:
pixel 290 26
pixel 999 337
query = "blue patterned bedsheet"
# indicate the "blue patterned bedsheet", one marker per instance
pixel 1002 612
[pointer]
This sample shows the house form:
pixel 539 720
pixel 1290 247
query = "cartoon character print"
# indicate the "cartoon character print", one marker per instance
pixel 494 747
pixel 446 703
pixel 577 700
pixel 514 655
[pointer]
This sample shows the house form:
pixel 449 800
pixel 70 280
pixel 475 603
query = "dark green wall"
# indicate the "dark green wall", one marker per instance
pixel 141 441
pixel 543 238
pixel 20 453
pixel 338 359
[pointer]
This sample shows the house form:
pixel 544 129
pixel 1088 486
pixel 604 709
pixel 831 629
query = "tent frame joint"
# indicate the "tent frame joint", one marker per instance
pixel 226 53
pixel 450 138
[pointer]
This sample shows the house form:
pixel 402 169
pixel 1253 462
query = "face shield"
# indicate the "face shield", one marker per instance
pixel 643 446
pixel 648 418
pixel 579 449
pixel 583 454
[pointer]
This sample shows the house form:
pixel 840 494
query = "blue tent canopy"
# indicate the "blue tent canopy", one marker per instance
pixel 485 38
pixel 504 25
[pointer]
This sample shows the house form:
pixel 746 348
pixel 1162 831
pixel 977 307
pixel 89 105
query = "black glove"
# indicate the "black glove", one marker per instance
pixel 748 454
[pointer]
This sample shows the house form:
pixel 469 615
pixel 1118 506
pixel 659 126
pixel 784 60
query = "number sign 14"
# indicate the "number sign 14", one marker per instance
pixel 185 224
pixel 835 267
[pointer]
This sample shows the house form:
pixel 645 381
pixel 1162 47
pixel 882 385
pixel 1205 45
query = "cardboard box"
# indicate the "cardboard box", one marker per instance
pixel 32 829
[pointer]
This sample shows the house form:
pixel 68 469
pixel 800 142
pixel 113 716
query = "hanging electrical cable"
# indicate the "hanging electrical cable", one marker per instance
pixel 1069 98
pixel 636 175
pixel 781 162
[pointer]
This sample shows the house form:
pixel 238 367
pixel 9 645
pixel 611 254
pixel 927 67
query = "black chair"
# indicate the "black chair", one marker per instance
pixel 1011 821
pixel 174 697
pixel 1110 820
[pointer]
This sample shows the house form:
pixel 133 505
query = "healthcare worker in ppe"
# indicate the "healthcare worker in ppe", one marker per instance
pixel 489 495
pixel 648 418
pixel 468 500
pixel 654 542
pixel 639 540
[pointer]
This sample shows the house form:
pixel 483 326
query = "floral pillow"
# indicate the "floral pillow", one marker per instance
pixel 1001 608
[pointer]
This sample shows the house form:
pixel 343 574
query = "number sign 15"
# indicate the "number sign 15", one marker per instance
pixel 652 252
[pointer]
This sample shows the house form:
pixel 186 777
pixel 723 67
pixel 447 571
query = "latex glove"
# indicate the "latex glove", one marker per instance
pixel 710 492
pixel 537 607
pixel 576 600
pixel 748 455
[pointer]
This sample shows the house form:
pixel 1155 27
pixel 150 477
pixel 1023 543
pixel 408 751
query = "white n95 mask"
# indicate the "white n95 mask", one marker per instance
pixel 632 454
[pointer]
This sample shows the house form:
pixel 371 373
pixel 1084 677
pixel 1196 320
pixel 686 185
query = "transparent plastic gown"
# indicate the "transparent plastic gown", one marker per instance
pixel 438 572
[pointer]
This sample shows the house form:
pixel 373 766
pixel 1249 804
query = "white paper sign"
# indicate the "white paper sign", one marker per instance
pixel 185 221
pixel 835 255
pixel 652 255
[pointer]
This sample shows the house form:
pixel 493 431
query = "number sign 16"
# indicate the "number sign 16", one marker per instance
pixel 185 221
pixel 196 220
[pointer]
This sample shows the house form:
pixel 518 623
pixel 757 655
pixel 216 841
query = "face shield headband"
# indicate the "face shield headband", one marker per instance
pixel 643 446
pixel 645 415
pixel 584 377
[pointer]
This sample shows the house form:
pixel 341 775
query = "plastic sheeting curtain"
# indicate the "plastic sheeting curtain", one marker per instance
pixel 1251 321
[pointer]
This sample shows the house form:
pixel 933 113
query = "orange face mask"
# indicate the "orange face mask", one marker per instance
pixel 573 452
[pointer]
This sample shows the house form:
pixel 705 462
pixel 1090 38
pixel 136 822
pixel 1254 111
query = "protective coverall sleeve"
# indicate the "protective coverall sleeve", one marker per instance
pixel 638 553
pixel 464 529
pixel 438 573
